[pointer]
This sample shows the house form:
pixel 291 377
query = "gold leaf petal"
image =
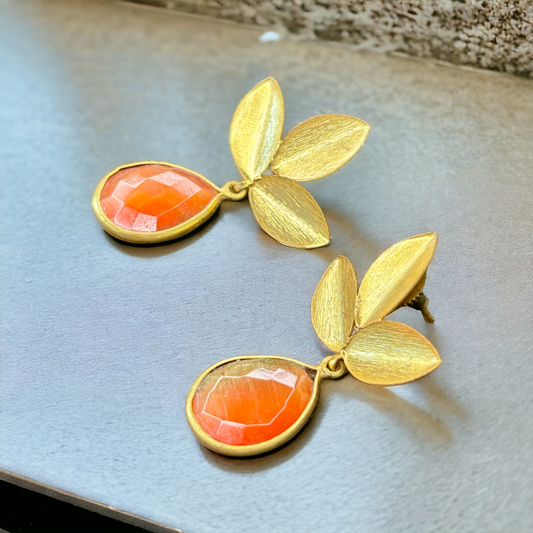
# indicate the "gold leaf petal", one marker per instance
pixel 390 353
pixel 393 276
pixel 288 213
pixel 333 304
pixel 319 146
pixel 255 131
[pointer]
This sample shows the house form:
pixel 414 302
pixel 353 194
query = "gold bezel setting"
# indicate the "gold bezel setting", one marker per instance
pixel 153 237
pixel 263 447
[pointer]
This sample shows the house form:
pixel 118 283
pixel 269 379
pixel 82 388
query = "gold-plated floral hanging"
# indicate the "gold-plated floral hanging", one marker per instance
pixel 250 405
pixel 155 201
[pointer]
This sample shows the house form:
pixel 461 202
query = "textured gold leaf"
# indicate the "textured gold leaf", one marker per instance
pixel 288 213
pixel 319 146
pixel 393 275
pixel 255 131
pixel 333 304
pixel 390 353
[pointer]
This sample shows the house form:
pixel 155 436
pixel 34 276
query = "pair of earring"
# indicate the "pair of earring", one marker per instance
pixel 250 405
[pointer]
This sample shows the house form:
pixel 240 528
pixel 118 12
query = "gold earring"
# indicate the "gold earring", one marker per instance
pixel 250 405
pixel 155 201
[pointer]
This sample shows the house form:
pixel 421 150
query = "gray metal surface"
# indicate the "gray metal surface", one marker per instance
pixel 101 341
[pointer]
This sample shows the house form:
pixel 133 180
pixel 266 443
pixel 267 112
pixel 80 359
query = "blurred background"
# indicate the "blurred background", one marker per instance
pixel 496 35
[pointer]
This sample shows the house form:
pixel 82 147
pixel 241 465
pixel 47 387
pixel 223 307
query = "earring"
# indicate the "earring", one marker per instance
pixel 154 201
pixel 250 405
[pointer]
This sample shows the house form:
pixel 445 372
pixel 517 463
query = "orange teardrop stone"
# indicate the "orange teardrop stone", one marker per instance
pixel 250 401
pixel 154 197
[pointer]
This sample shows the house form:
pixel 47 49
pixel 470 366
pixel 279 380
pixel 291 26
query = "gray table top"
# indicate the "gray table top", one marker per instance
pixel 101 341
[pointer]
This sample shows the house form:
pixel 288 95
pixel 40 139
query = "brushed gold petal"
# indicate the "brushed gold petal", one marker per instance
pixel 288 213
pixel 319 146
pixel 333 304
pixel 255 131
pixel 393 276
pixel 389 353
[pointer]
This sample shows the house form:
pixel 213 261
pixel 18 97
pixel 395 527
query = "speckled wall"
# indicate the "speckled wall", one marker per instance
pixel 496 35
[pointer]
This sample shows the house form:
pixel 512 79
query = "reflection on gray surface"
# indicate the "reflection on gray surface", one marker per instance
pixel 101 340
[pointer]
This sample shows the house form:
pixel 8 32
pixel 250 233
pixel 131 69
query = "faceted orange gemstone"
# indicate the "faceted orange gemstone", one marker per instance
pixel 154 197
pixel 252 400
